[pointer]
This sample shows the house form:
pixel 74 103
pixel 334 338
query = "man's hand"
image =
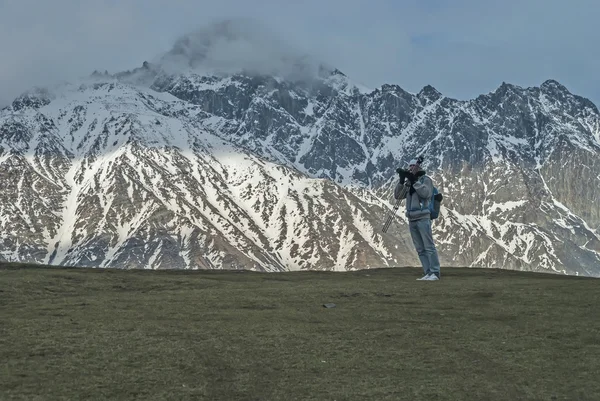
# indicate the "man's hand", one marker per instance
pixel 402 173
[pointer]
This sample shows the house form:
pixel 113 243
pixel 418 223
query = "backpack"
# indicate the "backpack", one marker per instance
pixel 435 203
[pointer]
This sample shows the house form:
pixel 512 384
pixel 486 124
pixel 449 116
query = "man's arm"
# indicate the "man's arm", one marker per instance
pixel 424 189
pixel 400 191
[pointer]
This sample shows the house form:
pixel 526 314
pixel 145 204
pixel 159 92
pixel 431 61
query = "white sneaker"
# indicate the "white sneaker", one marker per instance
pixel 425 277
pixel 432 277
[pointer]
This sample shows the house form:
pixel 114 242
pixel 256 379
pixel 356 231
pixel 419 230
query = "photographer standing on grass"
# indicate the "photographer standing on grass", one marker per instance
pixel 417 188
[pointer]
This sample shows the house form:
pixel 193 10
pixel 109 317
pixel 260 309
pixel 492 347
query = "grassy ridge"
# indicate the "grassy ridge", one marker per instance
pixel 475 335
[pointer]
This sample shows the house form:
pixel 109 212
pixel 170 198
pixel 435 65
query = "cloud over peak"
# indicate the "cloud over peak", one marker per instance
pixel 238 45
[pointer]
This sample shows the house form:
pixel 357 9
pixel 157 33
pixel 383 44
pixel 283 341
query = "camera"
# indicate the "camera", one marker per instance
pixel 404 174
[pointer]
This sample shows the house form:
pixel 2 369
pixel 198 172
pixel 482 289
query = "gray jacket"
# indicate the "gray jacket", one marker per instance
pixel 417 203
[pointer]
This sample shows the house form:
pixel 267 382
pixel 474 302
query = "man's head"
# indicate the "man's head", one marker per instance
pixel 414 165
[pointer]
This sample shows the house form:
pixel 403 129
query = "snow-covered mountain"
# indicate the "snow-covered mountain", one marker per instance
pixel 164 168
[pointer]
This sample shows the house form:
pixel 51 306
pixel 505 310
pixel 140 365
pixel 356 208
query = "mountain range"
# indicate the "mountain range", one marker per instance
pixel 173 166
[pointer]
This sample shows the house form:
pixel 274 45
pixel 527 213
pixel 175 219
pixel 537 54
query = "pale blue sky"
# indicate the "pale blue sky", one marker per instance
pixel 462 47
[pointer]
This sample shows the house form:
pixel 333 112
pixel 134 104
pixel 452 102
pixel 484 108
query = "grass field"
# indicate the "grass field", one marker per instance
pixel 78 334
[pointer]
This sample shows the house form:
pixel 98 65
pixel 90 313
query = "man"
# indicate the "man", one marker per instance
pixel 417 189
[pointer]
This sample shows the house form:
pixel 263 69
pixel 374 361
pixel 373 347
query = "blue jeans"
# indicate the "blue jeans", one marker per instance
pixel 420 231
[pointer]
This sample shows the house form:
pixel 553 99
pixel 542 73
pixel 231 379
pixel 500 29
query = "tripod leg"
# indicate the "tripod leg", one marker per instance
pixel 391 216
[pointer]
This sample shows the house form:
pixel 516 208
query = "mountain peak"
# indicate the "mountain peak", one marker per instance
pixel 552 82
pixel 553 85
pixel 429 94
pixel 505 87
pixel 33 98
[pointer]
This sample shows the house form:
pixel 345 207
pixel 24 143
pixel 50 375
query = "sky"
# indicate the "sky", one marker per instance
pixel 463 48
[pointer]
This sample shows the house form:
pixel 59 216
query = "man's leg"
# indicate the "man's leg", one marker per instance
pixel 417 239
pixel 430 250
